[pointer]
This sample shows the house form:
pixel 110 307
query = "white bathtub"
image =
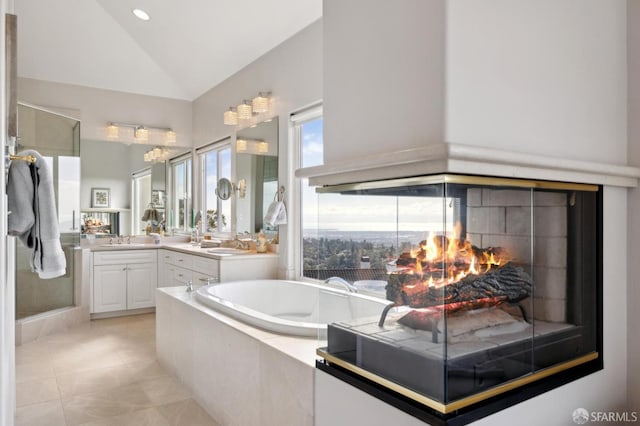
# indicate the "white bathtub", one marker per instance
pixel 288 307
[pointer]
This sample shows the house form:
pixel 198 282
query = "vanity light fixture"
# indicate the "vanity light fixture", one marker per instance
pixel 141 14
pixel 263 147
pixel 241 145
pixel 231 117
pixel 254 111
pixel 157 154
pixel 170 137
pixel 245 110
pixel 139 132
pixel 113 131
pixel 260 103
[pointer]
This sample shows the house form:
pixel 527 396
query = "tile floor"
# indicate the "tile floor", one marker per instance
pixel 101 373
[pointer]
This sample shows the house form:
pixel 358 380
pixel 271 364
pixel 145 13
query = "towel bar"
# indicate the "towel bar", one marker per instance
pixel 27 158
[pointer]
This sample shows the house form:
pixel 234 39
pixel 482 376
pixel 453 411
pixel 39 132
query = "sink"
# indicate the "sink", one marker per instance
pixel 226 250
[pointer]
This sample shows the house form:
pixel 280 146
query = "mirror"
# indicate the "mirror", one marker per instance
pixel 110 164
pixel 224 189
pixel 257 169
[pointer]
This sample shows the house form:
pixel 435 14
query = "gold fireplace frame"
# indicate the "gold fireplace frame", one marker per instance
pixel 460 179
pixel 463 402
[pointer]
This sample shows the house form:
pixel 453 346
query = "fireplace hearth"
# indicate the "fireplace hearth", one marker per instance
pixel 500 296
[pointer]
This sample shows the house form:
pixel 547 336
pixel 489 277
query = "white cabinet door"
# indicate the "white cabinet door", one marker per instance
pixel 109 288
pixel 141 285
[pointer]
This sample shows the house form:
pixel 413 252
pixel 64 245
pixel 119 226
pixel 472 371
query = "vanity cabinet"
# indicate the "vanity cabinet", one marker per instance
pixel 176 268
pixel 124 280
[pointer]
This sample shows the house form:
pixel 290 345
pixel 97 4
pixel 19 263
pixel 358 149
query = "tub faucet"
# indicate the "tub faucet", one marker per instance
pixel 342 282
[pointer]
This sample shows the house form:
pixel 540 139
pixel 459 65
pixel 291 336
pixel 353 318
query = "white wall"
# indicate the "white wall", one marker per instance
pixel 383 76
pixel 98 107
pixel 633 289
pixel 538 76
pixel 293 72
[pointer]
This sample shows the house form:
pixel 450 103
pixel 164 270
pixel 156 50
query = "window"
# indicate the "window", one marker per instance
pixel 308 136
pixel 141 198
pixel 180 215
pixel 215 163
pixel 68 193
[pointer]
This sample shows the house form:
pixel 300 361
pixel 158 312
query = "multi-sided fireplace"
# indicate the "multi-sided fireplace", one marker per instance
pixel 496 300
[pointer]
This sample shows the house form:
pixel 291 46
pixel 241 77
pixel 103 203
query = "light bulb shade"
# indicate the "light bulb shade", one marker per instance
pixel 147 156
pixel 263 147
pixel 241 145
pixel 245 111
pixel 170 137
pixel 113 131
pixel 260 103
pixel 231 117
pixel 141 134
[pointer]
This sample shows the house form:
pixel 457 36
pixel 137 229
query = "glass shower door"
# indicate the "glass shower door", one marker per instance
pixel 57 139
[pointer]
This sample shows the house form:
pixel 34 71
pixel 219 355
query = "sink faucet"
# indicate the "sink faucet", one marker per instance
pixel 342 282
pixel 239 244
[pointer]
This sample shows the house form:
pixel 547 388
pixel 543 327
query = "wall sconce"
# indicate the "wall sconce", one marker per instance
pixel 263 147
pixel 245 110
pixel 261 102
pixel 241 145
pixel 242 188
pixel 231 117
pixel 140 132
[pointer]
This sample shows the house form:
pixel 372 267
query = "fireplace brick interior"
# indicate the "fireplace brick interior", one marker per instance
pixel 502 218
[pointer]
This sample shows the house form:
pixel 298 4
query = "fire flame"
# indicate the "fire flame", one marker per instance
pixel 449 259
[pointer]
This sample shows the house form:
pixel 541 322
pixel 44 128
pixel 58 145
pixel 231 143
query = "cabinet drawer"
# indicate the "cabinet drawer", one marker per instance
pixel 181 275
pixel 124 257
pixel 182 260
pixel 166 256
pixel 206 266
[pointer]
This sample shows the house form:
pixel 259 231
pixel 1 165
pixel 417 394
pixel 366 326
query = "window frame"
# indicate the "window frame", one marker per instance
pixel 137 209
pixel 201 152
pixel 296 121
pixel 173 214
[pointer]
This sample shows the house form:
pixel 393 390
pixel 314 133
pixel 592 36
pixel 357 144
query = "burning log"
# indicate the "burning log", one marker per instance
pixel 506 283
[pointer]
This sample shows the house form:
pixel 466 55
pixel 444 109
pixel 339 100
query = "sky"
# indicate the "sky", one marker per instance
pixel 363 213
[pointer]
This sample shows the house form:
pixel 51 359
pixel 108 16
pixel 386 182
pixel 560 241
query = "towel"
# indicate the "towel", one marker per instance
pixel 276 214
pixel 33 218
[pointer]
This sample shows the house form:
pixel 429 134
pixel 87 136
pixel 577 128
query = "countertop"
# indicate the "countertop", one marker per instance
pixel 211 252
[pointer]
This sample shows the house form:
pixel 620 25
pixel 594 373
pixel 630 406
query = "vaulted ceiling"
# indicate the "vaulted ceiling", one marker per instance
pixel 185 49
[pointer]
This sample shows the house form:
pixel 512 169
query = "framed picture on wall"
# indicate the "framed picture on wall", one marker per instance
pixel 100 197
pixel 157 198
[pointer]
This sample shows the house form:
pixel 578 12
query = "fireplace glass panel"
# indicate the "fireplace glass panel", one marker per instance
pixel 483 285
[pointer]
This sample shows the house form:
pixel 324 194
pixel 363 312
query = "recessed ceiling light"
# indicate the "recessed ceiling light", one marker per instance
pixel 141 14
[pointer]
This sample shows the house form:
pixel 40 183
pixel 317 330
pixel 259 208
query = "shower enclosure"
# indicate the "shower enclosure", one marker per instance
pixel 57 138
